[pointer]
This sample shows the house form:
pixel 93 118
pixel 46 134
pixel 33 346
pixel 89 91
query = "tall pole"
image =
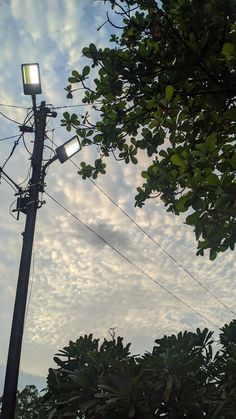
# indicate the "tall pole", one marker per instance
pixel 14 351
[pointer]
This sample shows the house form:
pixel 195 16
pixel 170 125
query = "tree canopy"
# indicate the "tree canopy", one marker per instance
pixel 167 88
pixel 28 402
pixel 182 377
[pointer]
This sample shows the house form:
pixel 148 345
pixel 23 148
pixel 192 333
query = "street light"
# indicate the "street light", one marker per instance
pixel 67 150
pixel 28 204
pixel 31 79
pixel 62 153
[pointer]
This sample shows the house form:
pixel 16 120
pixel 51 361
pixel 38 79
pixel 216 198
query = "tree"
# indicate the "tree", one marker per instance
pixel 167 89
pixel 180 378
pixel 27 403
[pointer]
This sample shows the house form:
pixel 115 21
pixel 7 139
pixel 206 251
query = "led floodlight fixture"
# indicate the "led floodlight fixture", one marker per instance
pixel 31 79
pixel 67 150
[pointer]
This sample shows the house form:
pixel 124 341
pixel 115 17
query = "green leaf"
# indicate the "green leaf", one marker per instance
pixel 131 411
pixel 85 406
pixel 75 73
pixel 106 387
pixel 134 160
pixel 74 117
pixel 192 218
pixel 213 254
pixel 231 114
pixel 144 174
pixel 66 116
pixel 169 91
pixel 177 160
pixel 180 205
pixel 86 71
pixel 211 141
pixel 228 49
pixel 85 51
pixel 233 161
pixel 232 246
pixel 92 48
pixel 52 413
pixel 200 252
pixel 192 37
pixel 73 80
pixel 213 180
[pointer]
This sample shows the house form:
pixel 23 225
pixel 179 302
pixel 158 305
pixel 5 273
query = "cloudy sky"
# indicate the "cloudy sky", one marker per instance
pixel 78 283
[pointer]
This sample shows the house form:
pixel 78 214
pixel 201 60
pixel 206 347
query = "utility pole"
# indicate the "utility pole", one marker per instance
pixel 31 205
pixel 28 203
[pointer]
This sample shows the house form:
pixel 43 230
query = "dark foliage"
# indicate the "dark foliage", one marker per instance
pixel 167 89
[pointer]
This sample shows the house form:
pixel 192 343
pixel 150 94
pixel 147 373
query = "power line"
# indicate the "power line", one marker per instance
pixel 27 178
pixel 132 263
pixel 12 151
pixel 13 106
pixel 72 106
pixel 31 287
pixel 9 119
pixel 26 148
pixel 2 172
pixel 9 138
pixel 27 118
pixel 53 129
pixel 10 210
pixel 165 251
pixel 161 247
pixel 9 183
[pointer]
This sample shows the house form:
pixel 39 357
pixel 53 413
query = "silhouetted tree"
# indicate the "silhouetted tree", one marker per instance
pixel 168 88
pixel 180 378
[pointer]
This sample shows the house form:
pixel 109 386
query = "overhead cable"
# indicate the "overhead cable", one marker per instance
pixel 9 138
pixel 161 247
pixel 72 106
pixel 133 264
pixel 27 119
pixel 167 253
pixel 2 172
pixel 10 119
pixel 9 183
pixel 13 106
pixel 13 149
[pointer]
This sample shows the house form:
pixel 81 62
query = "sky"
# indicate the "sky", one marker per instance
pixel 78 283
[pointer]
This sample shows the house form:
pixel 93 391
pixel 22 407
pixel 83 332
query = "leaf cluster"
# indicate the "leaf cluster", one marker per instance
pixel 28 403
pixel 180 378
pixel 167 88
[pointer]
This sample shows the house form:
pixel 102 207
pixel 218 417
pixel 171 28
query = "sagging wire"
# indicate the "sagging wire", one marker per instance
pixel 26 148
pixel 51 129
pixel 161 247
pixel 27 118
pixel 10 210
pixel 72 106
pixel 13 149
pixel 13 106
pixel 9 138
pixel 27 178
pixel 9 119
pixel 7 181
pixel 29 115
pixel 31 286
pixel 132 263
